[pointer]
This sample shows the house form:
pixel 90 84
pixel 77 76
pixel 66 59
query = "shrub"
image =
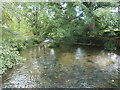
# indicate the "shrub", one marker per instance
pixel 109 45
pixel 9 57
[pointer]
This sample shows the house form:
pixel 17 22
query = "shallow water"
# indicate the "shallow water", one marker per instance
pixel 68 66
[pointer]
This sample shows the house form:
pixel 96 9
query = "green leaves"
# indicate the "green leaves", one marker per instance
pixel 109 45
pixel 106 19
pixel 9 57
pixel 25 24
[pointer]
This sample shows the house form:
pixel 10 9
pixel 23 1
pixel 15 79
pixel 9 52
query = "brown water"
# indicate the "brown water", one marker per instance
pixel 73 67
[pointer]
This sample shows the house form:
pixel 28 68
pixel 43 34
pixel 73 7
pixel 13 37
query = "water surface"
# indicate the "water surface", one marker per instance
pixel 67 66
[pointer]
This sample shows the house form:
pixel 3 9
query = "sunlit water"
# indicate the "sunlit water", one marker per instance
pixel 73 67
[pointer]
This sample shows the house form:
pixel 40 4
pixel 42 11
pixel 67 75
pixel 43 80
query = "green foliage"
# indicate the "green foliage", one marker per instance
pixel 52 44
pixel 109 45
pixel 25 24
pixel 105 19
pixel 9 57
pixel 15 29
pixel 58 21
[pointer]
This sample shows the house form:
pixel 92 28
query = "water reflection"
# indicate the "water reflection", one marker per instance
pixel 39 48
pixel 107 61
pixel 52 52
pixel 78 53
pixel 30 52
pixel 60 67
pixel 113 56
pixel 34 53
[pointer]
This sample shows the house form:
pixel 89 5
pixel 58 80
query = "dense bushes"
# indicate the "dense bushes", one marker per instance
pixel 109 45
pixel 9 57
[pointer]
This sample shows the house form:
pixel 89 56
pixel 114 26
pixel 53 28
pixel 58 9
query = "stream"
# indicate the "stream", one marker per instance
pixel 64 67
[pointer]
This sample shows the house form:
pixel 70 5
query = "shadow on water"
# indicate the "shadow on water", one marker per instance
pixel 73 67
